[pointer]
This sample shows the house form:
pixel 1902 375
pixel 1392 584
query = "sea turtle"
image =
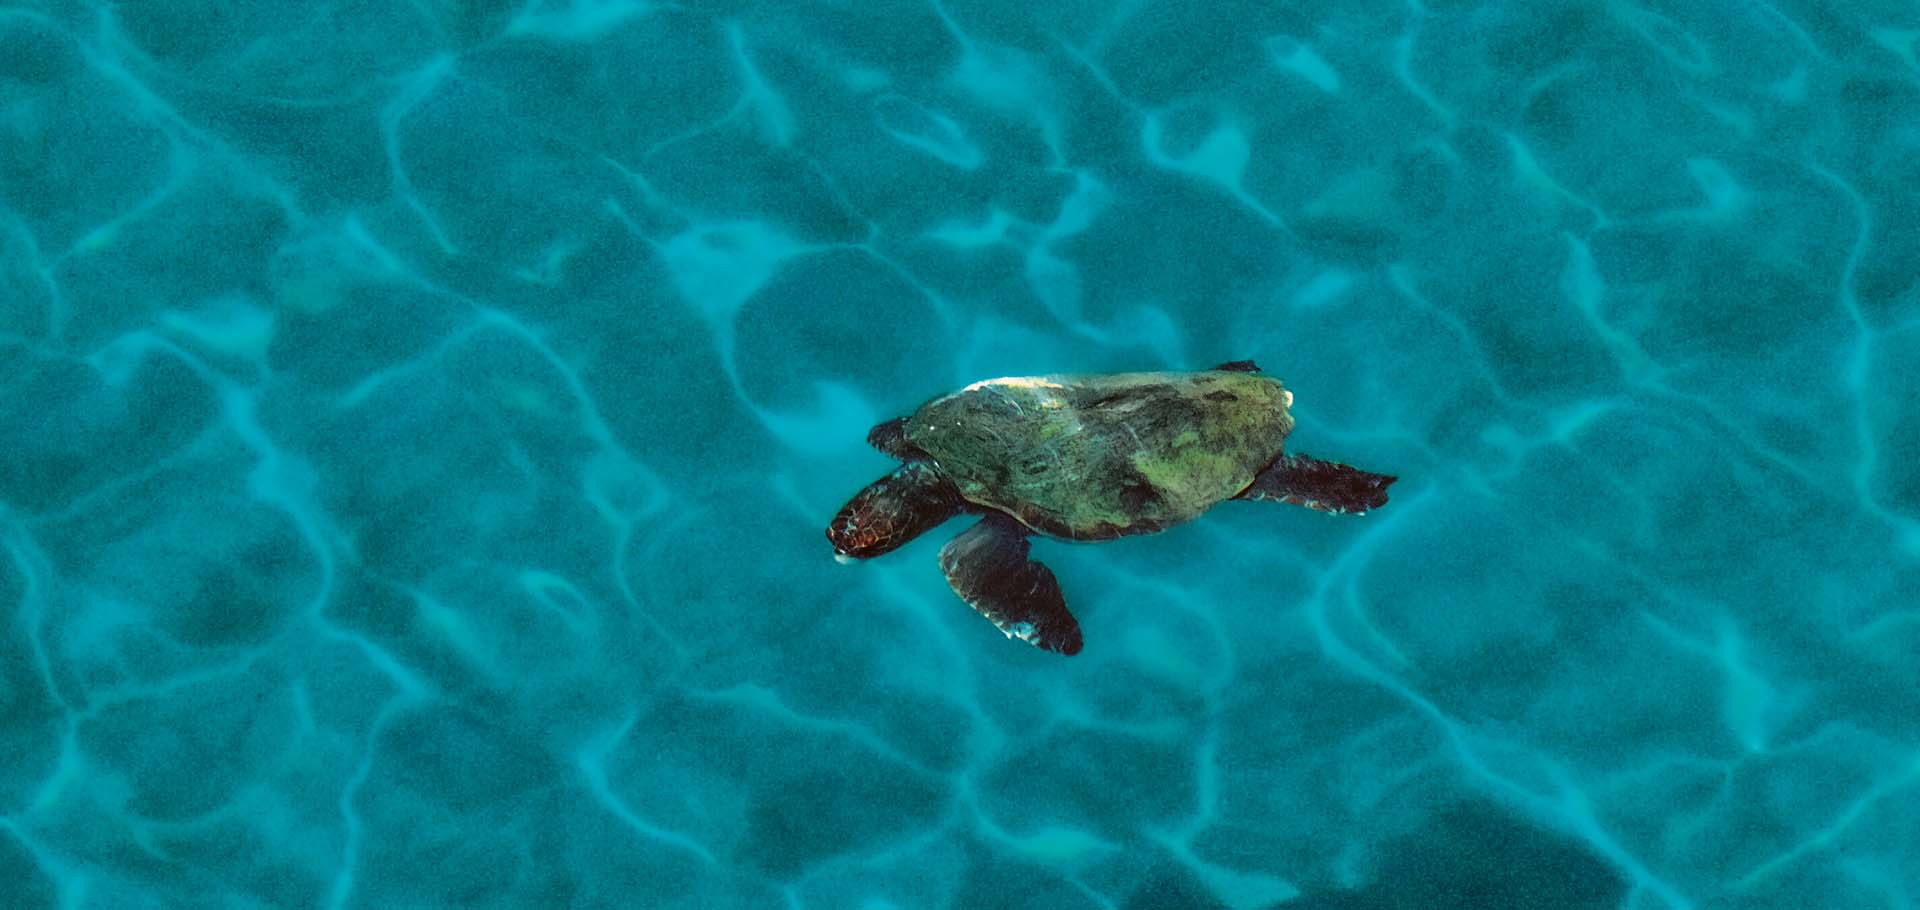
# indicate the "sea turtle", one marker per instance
pixel 1083 458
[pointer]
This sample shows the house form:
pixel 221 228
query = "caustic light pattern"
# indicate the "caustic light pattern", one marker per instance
pixel 419 418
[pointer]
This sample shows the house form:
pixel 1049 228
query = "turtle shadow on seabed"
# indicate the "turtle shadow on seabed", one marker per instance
pixel 1475 856
pixel 1470 856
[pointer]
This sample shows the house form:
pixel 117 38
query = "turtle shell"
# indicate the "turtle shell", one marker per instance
pixel 1098 457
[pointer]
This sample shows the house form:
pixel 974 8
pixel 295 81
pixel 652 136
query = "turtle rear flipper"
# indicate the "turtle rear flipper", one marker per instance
pixel 987 566
pixel 1323 485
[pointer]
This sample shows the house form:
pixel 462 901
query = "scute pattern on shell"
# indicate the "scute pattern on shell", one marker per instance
pixel 1098 457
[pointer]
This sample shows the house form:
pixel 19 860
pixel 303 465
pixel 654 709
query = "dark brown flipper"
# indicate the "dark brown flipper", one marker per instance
pixel 893 510
pixel 1322 485
pixel 890 438
pixel 987 566
pixel 1238 366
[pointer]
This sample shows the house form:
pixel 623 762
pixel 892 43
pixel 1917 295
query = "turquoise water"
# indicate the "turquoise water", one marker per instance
pixel 420 420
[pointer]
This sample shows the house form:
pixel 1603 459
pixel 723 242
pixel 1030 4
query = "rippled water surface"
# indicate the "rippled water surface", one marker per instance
pixel 420 419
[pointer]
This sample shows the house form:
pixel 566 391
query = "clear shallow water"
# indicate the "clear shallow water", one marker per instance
pixel 420 419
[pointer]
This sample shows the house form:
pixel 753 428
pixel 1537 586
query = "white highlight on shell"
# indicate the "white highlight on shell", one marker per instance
pixel 1018 382
pixel 1022 630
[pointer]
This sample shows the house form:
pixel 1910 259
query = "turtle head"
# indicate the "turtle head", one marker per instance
pixel 861 529
pixel 891 511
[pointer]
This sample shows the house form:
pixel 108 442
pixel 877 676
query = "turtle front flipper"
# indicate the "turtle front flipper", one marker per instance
pixel 987 566
pixel 893 510
pixel 1323 485
pixel 889 437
